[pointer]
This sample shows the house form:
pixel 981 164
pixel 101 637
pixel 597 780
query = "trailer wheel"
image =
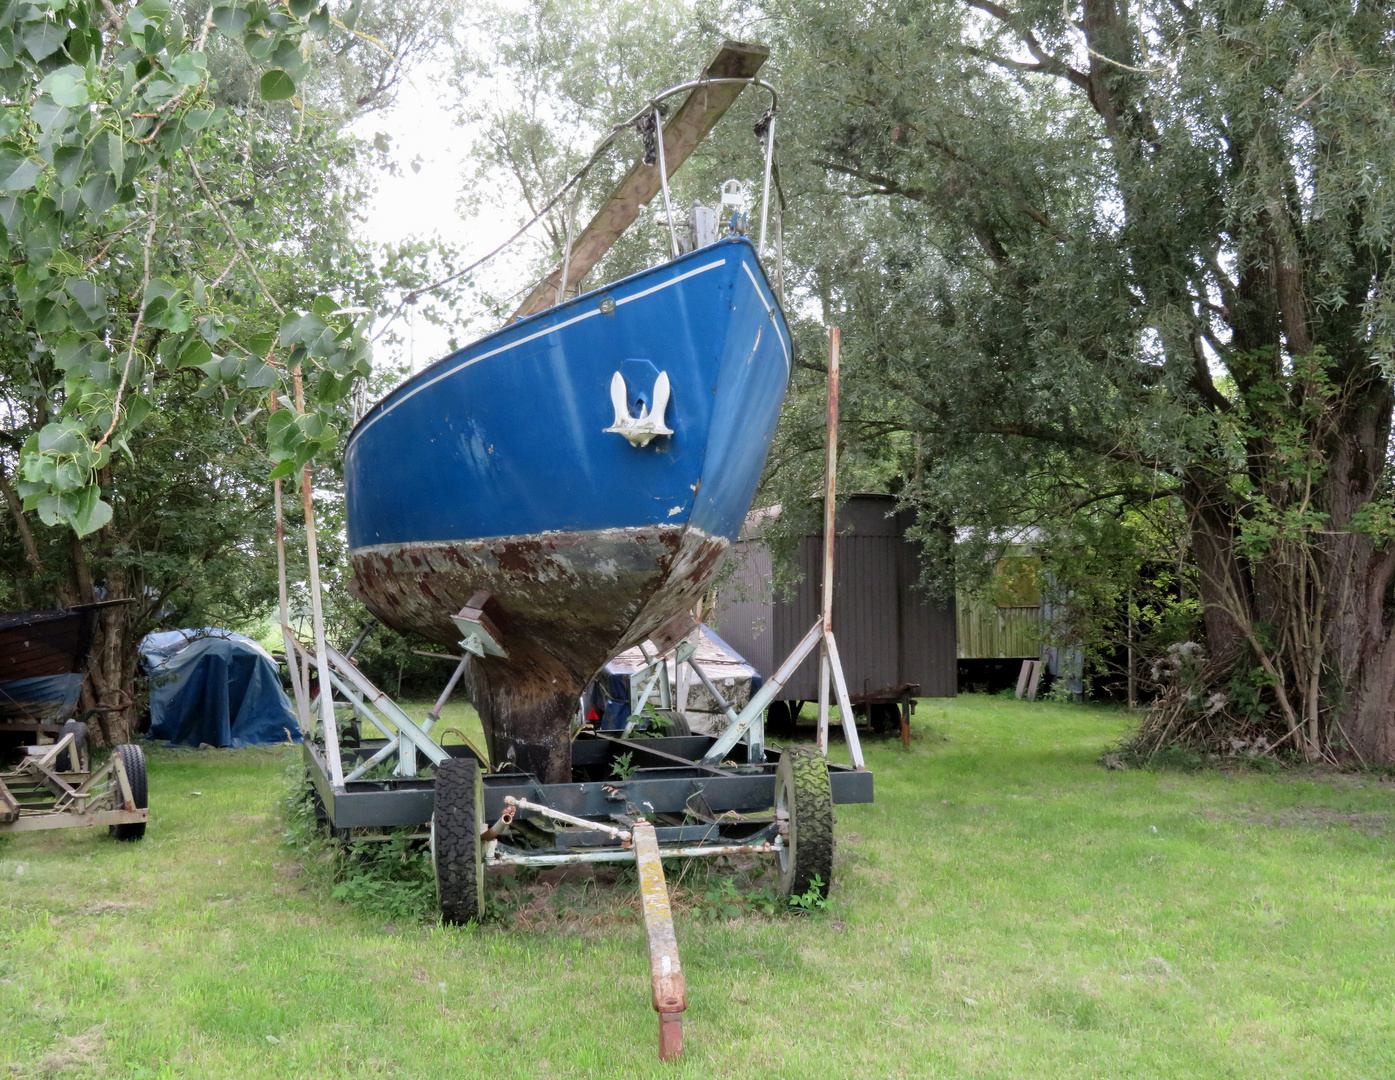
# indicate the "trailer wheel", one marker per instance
pixel 804 809
pixel 780 719
pixel 133 758
pixel 75 759
pixel 678 724
pixel 456 852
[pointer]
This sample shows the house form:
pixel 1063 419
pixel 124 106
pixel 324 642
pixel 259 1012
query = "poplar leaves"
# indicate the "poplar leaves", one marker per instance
pixel 107 110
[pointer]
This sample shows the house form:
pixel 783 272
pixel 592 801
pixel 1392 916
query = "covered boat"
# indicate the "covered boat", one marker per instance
pixel 43 662
pixel 584 468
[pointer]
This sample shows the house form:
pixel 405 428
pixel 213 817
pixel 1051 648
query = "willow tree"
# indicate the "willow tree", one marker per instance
pixel 1131 252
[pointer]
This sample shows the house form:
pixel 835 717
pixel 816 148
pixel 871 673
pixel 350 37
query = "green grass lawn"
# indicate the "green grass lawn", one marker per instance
pixel 1006 908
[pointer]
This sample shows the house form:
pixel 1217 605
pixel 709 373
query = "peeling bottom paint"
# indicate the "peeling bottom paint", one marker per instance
pixel 573 601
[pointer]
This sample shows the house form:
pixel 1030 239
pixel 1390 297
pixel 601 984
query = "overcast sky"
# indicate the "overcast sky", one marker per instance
pixel 421 201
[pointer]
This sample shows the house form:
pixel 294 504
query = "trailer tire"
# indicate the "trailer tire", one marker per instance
pixel 457 854
pixel 133 758
pixel 678 725
pixel 804 798
pixel 73 760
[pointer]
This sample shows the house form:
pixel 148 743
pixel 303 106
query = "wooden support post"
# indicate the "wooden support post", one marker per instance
pixel 682 133
pixel 830 665
pixel 329 725
pixel 302 697
pixel 1022 677
pixel 830 497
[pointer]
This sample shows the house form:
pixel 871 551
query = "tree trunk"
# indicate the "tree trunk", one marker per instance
pixel 110 691
pixel 1361 649
pixel 1213 547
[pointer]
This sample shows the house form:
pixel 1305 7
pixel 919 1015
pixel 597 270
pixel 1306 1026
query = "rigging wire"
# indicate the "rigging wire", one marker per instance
pixel 633 123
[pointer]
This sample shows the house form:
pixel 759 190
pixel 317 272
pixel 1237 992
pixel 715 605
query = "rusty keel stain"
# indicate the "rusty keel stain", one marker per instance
pixel 573 601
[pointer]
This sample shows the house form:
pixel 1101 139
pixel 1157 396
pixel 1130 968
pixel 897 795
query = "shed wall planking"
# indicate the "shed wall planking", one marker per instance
pixel 888 631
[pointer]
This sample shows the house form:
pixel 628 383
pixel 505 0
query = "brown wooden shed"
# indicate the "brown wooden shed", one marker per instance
pixel 888 632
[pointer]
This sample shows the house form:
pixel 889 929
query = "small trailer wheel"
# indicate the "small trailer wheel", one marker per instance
pixel 74 759
pixel 456 852
pixel 679 725
pixel 804 809
pixel 133 758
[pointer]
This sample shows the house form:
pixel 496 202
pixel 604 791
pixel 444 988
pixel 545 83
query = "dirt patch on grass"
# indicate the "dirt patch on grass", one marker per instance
pixel 74 1055
pixel 108 907
pixel 1307 817
pixel 593 899
pixel 1324 817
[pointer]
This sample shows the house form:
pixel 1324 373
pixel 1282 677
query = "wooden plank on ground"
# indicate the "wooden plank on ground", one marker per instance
pixel 1022 677
pixel 1036 678
pixel 683 131
pixel 9 808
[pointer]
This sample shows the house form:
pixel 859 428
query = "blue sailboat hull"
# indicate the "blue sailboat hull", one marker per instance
pixel 493 470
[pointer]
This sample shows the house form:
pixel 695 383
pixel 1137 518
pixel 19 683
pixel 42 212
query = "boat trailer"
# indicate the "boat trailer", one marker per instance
pixel 55 787
pixel 633 799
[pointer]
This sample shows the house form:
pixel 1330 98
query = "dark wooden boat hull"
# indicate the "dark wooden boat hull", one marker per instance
pixel 43 660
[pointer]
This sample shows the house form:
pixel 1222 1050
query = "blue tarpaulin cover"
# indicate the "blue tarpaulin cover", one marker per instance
pixel 44 699
pixel 217 687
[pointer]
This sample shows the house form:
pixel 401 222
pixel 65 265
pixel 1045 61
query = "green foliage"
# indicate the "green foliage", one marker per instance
pixel 812 900
pixel 112 122
pixel 623 766
pixel 1119 279
pixel 720 900
pixel 389 878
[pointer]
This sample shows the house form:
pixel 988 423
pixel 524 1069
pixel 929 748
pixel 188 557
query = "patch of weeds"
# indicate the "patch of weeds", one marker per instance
pixel 392 878
pixel 503 896
pixel 655 727
pixel 1069 1008
pixel 812 900
pixel 719 899
pixel 623 766
pixel 764 900
pixel 1176 759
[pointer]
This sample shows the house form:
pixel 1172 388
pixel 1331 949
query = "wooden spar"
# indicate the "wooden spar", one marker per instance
pixel 302 699
pixel 830 493
pixel 317 615
pixel 682 133
pixel 830 664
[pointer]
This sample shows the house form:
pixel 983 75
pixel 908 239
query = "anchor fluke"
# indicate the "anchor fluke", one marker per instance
pixel 641 429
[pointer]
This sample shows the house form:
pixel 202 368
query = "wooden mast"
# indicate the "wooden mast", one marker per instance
pixel 698 114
